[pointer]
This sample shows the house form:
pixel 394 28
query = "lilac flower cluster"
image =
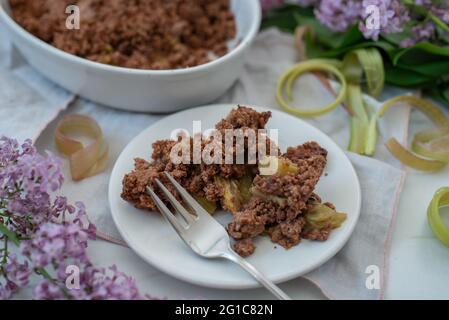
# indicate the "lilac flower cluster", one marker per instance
pixel 26 178
pixel 51 234
pixel 16 274
pixel 426 30
pixel 338 15
pixel 394 16
pixel 421 32
pixel 58 247
pixel 438 8
pixel 96 284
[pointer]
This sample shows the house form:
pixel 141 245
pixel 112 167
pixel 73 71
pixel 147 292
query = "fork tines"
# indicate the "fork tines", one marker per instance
pixel 188 199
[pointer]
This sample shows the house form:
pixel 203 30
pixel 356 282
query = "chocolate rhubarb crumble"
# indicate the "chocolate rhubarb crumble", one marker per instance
pixel 140 34
pixel 281 204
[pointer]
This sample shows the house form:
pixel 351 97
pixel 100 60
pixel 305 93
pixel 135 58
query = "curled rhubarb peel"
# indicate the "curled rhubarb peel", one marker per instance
pixel 439 228
pixel 287 80
pixel 85 161
pixel 411 160
pixel 430 148
pixel 358 67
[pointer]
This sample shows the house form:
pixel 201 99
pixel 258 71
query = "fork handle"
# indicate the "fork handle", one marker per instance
pixel 259 276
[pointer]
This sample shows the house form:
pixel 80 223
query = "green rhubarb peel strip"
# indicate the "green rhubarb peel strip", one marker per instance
pixel 439 200
pixel 288 78
pixel 358 66
pixel 430 148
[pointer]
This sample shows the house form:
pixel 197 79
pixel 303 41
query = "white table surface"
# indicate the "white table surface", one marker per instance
pixel 418 268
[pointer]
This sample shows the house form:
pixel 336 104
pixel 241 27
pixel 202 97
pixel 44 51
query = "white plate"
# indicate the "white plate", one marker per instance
pixel 158 244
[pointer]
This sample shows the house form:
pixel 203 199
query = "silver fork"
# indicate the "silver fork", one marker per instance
pixel 204 234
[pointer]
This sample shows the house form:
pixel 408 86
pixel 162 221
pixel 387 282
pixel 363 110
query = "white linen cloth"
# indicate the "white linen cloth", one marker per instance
pixel 344 276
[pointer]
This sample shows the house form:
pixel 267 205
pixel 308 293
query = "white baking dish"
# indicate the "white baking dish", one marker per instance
pixel 160 91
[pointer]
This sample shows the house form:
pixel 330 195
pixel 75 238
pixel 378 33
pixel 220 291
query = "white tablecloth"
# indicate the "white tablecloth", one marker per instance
pixel 418 266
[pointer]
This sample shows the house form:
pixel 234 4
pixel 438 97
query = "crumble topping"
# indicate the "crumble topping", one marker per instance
pixel 245 247
pixel 151 34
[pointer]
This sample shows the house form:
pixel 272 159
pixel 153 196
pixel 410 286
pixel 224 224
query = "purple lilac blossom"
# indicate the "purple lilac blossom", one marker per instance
pixel 54 243
pixel 439 9
pixel 13 275
pixel 422 32
pixel 392 17
pixel 95 284
pixel 47 290
pixel 338 15
pixel 26 179
pixel 58 246
pixel 426 31
pixel 7 290
pixel 16 272
pixel 58 232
